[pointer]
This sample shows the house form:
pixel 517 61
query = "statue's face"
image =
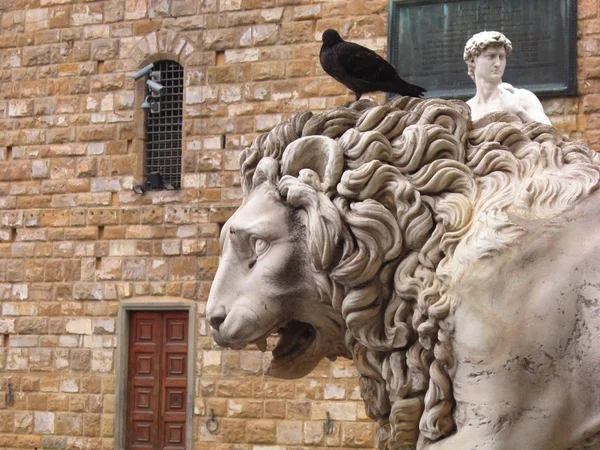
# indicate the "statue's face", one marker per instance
pixel 490 64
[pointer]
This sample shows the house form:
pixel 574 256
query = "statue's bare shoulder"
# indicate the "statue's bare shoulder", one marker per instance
pixel 529 101
pixel 486 54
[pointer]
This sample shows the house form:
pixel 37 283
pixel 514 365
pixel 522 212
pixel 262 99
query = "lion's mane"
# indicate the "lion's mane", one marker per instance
pixel 419 194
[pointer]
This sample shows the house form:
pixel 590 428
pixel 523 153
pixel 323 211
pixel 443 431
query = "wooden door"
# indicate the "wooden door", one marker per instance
pixel 157 380
pixel 174 380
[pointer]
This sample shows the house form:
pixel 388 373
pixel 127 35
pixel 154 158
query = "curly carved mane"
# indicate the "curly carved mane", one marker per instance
pixel 399 200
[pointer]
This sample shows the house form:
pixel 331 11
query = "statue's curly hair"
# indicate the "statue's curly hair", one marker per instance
pixel 398 189
pixel 479 42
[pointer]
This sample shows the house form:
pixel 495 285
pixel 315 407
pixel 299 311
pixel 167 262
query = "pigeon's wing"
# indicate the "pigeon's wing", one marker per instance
pixel 363 63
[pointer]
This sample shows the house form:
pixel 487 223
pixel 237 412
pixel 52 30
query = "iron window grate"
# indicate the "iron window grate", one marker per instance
pixel 164 128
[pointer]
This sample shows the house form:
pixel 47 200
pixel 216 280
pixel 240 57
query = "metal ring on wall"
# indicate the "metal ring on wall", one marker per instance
pixel 212 424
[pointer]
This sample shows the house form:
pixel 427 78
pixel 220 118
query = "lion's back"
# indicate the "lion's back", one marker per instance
pixel 527 328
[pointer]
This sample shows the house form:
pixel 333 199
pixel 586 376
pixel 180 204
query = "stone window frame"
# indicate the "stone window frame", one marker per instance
pixel 147 120
pixel 126 307
pixel 139 118
pixel 156 46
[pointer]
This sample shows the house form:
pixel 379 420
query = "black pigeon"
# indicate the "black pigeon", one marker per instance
pixel 361 69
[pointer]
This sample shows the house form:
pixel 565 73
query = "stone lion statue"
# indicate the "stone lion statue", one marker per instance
pixel 455 262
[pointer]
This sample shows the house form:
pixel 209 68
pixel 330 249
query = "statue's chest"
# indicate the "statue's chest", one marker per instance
pixel 492 106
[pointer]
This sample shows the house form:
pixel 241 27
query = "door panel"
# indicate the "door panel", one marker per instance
pixel 157 380
pixel 174 388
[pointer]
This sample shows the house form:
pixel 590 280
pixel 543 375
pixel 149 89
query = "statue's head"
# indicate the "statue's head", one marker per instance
pixel 485 54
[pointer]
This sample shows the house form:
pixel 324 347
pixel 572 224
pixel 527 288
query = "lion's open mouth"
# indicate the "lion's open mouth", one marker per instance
pixel 295 352
pixel 294 338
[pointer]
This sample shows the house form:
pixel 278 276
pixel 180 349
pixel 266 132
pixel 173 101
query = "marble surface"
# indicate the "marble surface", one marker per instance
pixel 486 57
pixel 455 262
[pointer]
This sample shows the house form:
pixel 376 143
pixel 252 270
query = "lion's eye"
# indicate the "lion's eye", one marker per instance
pixel 260 246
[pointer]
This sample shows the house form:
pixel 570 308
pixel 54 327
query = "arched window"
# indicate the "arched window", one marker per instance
pixel 163 119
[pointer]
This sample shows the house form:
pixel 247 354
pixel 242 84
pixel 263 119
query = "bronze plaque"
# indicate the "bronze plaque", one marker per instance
pixel 427 38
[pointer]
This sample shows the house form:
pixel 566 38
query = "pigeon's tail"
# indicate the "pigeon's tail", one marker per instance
pixel 411 90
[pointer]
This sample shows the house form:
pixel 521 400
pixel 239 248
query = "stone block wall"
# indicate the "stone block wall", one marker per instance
pixel 583 114
pixel 75 239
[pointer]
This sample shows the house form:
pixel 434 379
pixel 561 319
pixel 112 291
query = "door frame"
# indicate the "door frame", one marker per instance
pixel 122 363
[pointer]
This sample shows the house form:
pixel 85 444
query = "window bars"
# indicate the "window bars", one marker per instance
pixel 164 120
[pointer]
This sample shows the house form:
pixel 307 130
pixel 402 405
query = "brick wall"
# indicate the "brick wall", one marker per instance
pixel 581 116
pixel 75 239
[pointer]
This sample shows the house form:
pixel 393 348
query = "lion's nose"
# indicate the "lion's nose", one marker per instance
pixel 216 314
pixel 216 321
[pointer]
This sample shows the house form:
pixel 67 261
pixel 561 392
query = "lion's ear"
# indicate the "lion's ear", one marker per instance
pixel 317 160
pixel 267 170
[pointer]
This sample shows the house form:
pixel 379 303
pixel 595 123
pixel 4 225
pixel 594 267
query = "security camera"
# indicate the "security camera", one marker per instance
pixel 154 86
pixel 143 72
pixel 146 104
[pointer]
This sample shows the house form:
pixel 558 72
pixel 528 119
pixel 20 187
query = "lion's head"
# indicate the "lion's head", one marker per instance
pixel 353 227
pixel 266 284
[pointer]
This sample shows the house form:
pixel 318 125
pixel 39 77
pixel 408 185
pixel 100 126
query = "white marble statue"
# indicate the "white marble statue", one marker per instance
pixel 485 54
pixel 457 266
